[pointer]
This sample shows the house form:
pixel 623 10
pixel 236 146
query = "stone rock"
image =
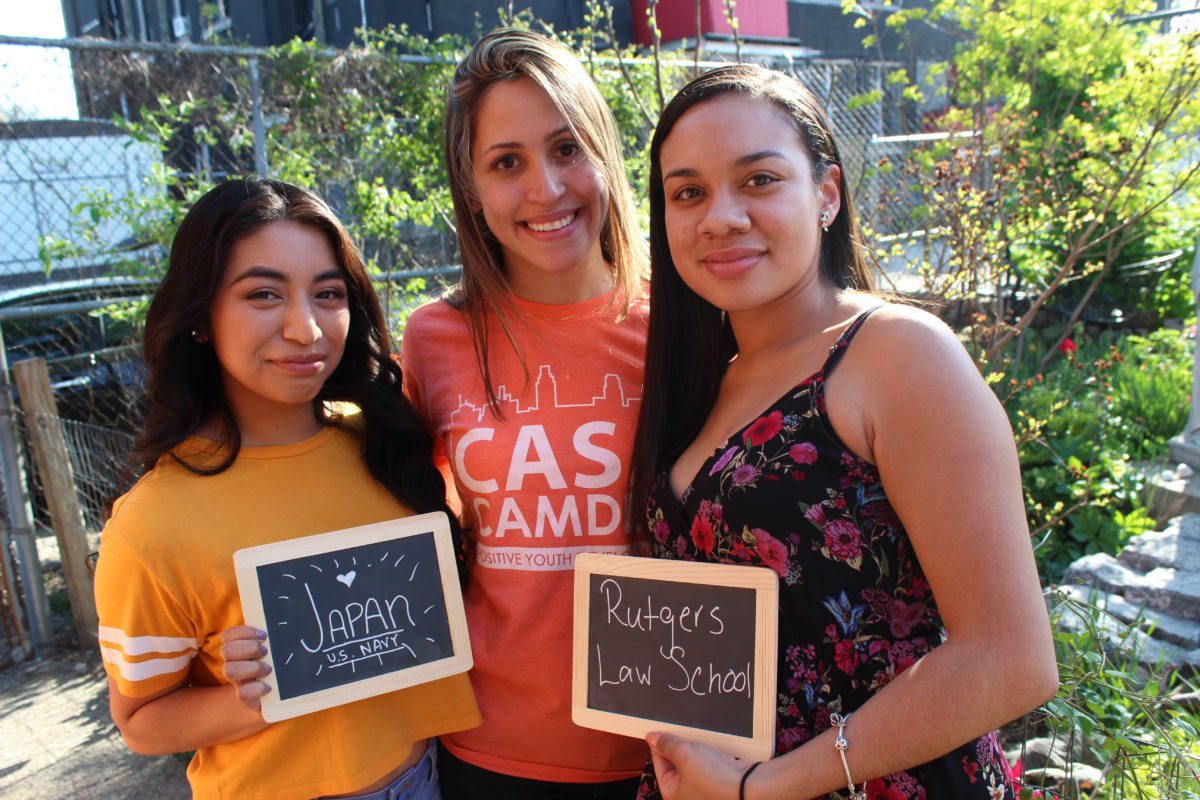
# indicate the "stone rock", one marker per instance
pixel 1126 644
pixel 1166 589
pixel 1074 779
pixel 1171 494
pixel 1185 449
pixel 1049 751
pixel 1181 632
pixel 1177 547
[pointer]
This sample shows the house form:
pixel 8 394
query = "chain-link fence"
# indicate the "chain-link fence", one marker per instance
pixel 104 144
pixel 90 196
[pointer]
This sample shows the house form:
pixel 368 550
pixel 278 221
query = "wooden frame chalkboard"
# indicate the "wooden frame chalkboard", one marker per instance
pixel 691 649
pixel 355 613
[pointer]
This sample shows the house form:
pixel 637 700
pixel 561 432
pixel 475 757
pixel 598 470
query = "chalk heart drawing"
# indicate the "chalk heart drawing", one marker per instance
pixel 348 578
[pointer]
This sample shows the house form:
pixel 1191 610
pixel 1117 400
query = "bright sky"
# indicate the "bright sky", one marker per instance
pixel 35 83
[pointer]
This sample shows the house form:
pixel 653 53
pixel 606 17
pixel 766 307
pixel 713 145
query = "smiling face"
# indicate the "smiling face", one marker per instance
pixel 279 320
pixel 542 199
pixel 742 208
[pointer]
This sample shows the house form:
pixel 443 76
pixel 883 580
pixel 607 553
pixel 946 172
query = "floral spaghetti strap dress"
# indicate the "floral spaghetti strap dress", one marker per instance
pixel 855 609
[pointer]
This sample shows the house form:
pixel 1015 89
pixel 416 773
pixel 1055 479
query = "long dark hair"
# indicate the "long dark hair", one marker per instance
pixel 184 386
pixel 690 342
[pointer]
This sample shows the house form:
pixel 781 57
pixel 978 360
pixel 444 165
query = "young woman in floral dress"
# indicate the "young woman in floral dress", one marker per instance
pixel 792 420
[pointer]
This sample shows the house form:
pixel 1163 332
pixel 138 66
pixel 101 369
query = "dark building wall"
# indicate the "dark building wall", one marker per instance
pixel 343 17
pixel 269 22
pixel 822 26
pixel 266 23
pixel 440 17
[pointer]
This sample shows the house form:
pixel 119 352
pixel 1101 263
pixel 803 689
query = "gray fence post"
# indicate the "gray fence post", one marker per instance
pixel 1189 430
pixel 260 128
pixel 20 517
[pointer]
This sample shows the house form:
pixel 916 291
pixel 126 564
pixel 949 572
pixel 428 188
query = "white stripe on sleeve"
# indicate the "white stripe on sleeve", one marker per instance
pixel 141 670
pixel 141 645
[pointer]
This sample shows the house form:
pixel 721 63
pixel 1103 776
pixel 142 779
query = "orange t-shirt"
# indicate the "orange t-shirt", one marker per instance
pixel 543 482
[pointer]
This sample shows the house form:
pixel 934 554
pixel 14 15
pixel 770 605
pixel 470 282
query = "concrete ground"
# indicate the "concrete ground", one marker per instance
pixel 58 741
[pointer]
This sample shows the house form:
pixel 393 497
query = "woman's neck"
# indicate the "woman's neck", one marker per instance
pixel 807 310
pixel 587 282
pixel 267 426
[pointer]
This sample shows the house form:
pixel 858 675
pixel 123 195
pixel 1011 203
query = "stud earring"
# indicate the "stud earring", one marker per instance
pixel 199 337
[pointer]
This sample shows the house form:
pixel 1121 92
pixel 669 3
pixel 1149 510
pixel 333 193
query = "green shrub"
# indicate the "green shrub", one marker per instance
pixel 1082 426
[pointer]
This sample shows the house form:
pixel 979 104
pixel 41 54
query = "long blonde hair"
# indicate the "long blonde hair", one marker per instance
pixel 509 54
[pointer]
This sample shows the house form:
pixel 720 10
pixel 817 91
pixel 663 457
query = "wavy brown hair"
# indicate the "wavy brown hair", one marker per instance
pixel 690 342
pixel 509 54
pixel 184 382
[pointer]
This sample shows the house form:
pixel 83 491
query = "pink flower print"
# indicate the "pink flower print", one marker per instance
pixel 843 539
pixel 764 428
pixel 702 535
pixel 816 515
pixel 773 552
pixel 904 616
pixel 723 461
pixel 820 718
pixel 803 453
pixel 661 530
pixel 905 654
pixel 745 474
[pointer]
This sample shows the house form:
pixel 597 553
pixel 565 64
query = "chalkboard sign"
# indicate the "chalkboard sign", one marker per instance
pixel 355 613
pixel 676 646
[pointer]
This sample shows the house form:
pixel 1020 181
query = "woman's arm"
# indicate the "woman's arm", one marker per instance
pixel 182 718
pixel 948 462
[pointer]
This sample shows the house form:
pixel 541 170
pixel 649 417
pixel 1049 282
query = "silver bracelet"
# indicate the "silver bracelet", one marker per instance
pixel 840 744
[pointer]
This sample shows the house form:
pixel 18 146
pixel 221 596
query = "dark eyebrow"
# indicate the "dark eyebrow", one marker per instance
pixel 276 275
pixel 517 145
pixel 746 160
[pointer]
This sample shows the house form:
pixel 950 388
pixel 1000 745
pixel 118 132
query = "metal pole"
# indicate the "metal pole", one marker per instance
pixel 1194 417
pixel 260 130
pixel 20 517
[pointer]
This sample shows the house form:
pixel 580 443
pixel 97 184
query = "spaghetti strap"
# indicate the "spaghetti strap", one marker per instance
pixel 839 347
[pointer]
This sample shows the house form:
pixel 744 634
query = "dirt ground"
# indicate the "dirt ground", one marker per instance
pixel 57 740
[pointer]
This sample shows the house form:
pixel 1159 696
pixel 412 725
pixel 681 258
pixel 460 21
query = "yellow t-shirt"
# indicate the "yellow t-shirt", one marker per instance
pixel 165 589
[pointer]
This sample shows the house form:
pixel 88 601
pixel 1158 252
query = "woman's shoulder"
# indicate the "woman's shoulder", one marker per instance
pixel 434 319
pixel 439 311
pixel 902 335
pixel 156 496
pixel 906 353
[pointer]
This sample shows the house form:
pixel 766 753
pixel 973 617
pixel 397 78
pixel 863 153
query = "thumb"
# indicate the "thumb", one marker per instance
pixel 667 745
pixel 664 768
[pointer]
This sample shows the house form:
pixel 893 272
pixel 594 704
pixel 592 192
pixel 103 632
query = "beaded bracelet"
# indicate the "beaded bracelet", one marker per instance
pixel 745 777
pixel 840 744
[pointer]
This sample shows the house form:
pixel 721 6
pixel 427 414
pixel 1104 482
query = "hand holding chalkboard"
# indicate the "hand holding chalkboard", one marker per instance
pixel 668 645
pixel 355 613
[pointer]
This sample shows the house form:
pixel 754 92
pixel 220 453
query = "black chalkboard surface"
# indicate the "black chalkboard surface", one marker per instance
pixel 668 645
pixel 354 613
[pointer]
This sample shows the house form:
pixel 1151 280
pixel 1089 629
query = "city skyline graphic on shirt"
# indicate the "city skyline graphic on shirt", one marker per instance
pixel 611 388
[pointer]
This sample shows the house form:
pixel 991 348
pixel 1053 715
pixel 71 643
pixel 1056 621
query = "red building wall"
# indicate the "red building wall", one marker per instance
pixel 677 19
